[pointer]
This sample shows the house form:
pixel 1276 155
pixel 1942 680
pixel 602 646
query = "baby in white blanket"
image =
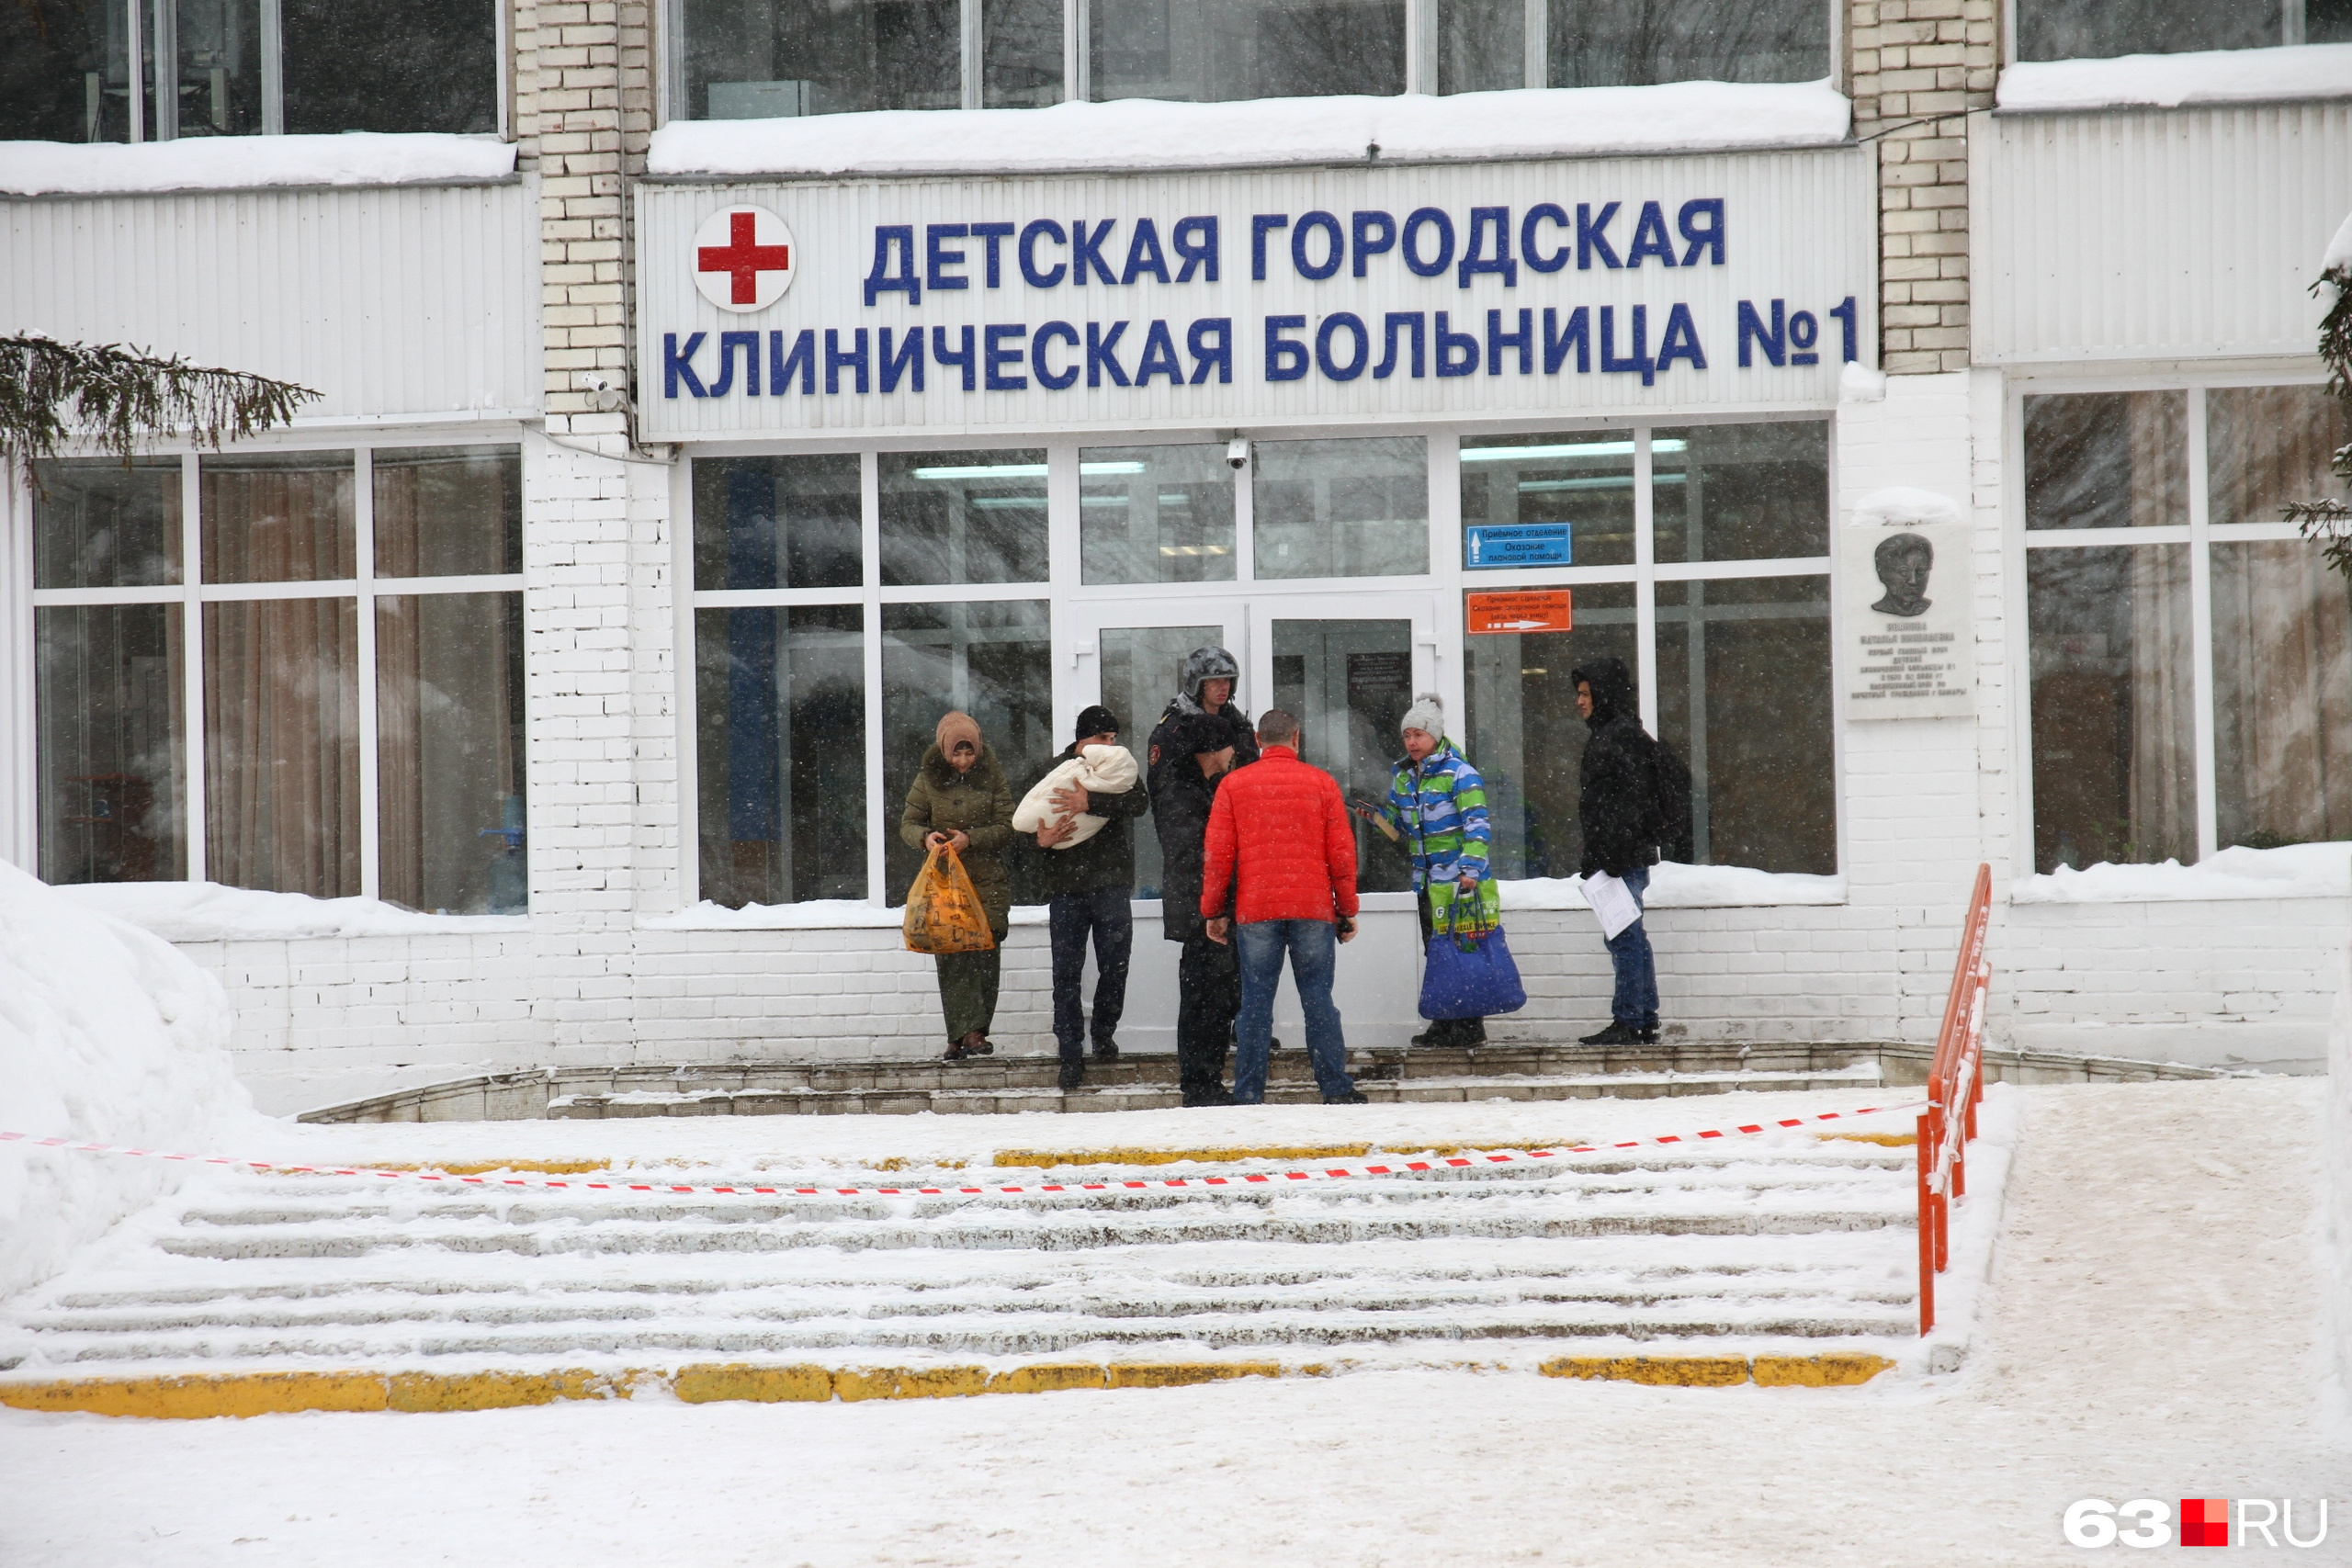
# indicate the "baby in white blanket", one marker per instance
pixel 1098 769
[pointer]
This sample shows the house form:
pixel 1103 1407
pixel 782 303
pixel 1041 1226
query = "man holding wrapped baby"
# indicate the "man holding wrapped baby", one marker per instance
pixel 1082 812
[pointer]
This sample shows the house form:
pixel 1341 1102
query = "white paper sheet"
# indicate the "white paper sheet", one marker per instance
pixel 1613 901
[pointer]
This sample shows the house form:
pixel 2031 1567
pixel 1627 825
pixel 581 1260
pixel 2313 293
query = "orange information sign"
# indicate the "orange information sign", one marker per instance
pixel 1539 610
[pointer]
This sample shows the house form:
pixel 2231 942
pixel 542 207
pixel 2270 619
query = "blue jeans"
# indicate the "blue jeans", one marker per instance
pixel 1635 1003
pixel 1314 947
pixel 1070 917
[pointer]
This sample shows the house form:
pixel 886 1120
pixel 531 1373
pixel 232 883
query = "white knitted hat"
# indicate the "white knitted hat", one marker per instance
pixel 1427 714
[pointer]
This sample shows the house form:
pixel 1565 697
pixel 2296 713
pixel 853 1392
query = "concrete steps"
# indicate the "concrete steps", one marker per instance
pixel 1502 1070
pixel 1780 1248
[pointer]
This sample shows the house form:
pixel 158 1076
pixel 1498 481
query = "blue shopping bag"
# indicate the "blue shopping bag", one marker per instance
pixel 1470 972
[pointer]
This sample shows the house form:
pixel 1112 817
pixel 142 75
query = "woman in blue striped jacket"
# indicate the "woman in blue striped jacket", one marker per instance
pixel 1437 810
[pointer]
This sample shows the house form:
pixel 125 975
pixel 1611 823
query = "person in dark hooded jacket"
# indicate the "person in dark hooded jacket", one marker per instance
pixel 1617 808
pixel 1206 687
pixel 1198 750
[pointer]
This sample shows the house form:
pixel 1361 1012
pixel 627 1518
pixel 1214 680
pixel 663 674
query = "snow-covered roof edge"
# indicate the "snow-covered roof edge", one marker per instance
pixel 1142 134
pixel 2172 81
pixel 249 163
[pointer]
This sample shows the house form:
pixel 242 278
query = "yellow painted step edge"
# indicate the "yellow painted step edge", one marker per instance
pixel 263 1394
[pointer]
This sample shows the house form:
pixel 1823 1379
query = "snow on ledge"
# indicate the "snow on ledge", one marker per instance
pixel 2297 871
pixel 1146 133
pixel 2169 81
pixel 1676 887
pixel 207 911
pixel 247 162
pixel 817 914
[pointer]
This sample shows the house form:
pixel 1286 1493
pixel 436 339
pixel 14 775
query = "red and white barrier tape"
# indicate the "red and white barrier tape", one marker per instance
pixel 1251 1179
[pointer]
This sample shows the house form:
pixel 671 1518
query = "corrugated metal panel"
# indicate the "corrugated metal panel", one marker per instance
pixel 2154 234
pixel 396 301
pixel 1800 228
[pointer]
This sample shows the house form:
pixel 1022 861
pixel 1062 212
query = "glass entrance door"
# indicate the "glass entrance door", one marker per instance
pixel 1348 666
pixel 1130 659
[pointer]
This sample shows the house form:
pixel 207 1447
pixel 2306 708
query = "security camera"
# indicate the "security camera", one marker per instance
pixel 1236 451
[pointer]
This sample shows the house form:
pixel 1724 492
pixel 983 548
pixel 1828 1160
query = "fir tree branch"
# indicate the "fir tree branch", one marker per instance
pixel 119 398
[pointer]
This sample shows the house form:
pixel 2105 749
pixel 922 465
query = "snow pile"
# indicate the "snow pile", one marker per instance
pixel 1676 887
pixel 1146 133
pixel 2295 870
pixel 1857 383
pixel 2337 1139
pixel 244 163
pixel 1901 506
pixel 207 911
pixel 106 1034
pixel 2339 249
pixel 2168 81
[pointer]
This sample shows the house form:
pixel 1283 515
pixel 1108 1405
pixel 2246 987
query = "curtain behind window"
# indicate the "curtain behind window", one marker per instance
pixel 281 678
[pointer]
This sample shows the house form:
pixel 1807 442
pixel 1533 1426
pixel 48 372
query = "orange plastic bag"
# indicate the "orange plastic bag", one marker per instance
pixel 943 912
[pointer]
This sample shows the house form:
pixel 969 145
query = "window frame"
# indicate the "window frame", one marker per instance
pixel 1421 51
pixel 192 593
pixel 1074 604
pixel 2291 33
pixel 2200 533
pixel 140 17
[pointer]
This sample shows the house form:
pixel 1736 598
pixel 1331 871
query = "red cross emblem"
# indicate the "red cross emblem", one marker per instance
pixel 743 258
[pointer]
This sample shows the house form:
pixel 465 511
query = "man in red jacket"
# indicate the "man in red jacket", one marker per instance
pixel 1280 841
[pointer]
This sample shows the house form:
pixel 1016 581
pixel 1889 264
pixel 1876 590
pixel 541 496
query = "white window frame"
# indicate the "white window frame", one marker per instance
pixel 1077 608
pixel 1421 50
pixel 2200 535
pixel 159 18
pixel 192 593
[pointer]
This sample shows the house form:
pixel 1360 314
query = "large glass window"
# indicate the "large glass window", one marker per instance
pixel 1482 46
pixel 1155 514
pixel 1741 491
pixel 994 660
pixel 1633 42
pixel 959 518
pixel 113 742
pixel 1737 675
pixel 65 71
pixel 2078 29
pixel 760 58
pixel 390 66
pixel 246 68
pixel 780 714
pixel 1744 698
pixel 307 561
pixel 2107 460
pixel 1345 507
pixel 1581 484
pixel 2121 648
pixel 769 59
pixel 449 760
pixel 1208 51
pixel 778 523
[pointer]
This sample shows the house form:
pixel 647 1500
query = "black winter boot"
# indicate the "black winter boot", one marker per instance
pixel 1615 1034
pixel 1073 1074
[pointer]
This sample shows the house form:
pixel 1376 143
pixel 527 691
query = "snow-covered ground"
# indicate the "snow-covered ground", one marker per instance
pixel 2153 1329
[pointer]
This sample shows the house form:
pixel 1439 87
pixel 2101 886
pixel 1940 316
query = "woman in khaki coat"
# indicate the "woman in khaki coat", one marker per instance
pixel 959 799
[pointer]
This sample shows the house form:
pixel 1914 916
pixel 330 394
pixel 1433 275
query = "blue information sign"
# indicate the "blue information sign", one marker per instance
pixel 1518 544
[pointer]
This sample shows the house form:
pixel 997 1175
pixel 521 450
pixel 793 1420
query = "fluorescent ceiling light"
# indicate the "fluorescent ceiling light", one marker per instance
pixel 1576 449
pixel 1598 481
pixel 985 471
pixel 1111 467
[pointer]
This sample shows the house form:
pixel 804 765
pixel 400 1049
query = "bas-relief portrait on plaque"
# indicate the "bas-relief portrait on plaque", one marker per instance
pixel 1909 648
